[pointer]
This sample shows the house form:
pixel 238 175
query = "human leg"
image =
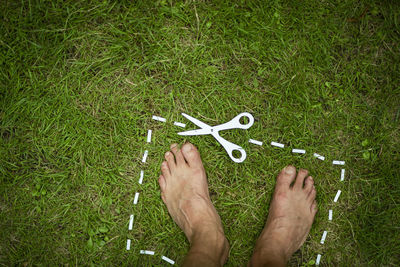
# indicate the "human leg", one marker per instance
pixel 184 190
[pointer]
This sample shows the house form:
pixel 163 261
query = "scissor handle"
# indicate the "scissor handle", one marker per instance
pixel 230 147
pixel 236 124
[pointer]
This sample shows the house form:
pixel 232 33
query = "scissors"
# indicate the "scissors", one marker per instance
pixel 213 130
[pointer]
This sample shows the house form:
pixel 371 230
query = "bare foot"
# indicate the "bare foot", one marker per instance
pixel 184 190
pixel 290 217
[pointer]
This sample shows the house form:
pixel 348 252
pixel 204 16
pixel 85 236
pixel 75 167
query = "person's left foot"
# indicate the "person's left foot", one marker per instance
pixel 184 190
pixel 290 217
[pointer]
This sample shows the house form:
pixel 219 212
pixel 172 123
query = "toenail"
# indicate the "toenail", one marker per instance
pixel 167 154
pixel 173 145
pixel 311 179
pixel 290 170
pixel 187 147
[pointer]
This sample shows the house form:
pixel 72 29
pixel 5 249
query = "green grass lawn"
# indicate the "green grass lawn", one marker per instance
pixel 80 81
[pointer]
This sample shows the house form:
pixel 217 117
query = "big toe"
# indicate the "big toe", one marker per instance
pixel 286 177
pixel 192 155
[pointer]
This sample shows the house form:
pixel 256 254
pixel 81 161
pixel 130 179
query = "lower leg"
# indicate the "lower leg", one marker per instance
pixel 184 190
pixel 290 217
pixel 209 248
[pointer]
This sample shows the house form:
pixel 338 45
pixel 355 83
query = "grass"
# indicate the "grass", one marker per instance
pixel 81 79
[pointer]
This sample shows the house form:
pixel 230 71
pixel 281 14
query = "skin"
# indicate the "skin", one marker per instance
pixel 184 190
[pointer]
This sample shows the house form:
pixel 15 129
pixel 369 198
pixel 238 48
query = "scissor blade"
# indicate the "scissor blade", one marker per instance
pixel 196 132
pixel 196 121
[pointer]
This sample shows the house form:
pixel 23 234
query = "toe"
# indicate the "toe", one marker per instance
pixel 286 177
pixel 312 194
pixel 162 183
pixel 171 160
pixel 163 197
pixel 308 184
pixel 192 155
pixel 314 207
pixel 300 179
pixel 178 154
pixel 165 170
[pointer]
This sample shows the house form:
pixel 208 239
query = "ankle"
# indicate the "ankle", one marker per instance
pixel 210 244
pixel 269 252
pixel 212 238
pixel 268 257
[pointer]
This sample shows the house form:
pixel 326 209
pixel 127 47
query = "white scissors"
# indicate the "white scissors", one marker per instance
pixel 213 130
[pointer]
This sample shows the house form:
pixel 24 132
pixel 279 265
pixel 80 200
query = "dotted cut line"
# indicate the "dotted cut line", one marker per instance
pixel 330 212
pixel 136 197
pixel 252 141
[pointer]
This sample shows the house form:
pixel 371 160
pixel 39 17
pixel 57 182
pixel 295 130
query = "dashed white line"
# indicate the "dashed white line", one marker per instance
pixel 147 252
pixel 128 244
pixel 337 195
pixel 323 237
pixel 130 222
pixel 158 118
pixel 338 162
pixel 318 259
pixel 135 200
pixel 318 156
pixel 179 124
pixel 141 177
pixel 342 175
pixel 149 136
pixel 256 142
pixel 277 144
pixel 168 260
pixel 145 154
pixel 299 151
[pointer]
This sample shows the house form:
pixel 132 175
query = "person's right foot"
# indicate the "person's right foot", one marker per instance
pixel 290 217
